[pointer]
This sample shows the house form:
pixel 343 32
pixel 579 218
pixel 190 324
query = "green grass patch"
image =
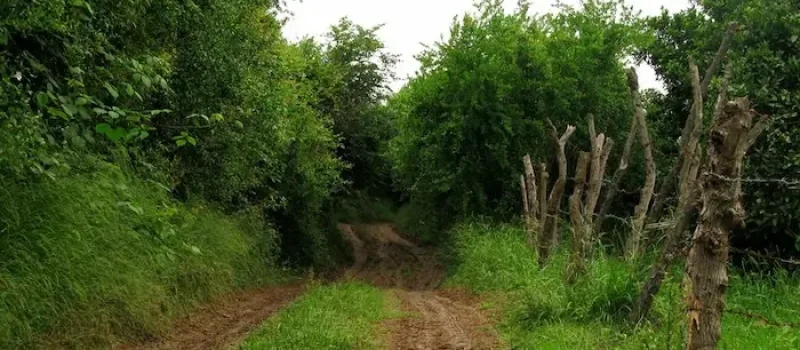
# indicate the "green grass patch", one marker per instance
pixel 339 316
pixel 542 312
pixel 102 256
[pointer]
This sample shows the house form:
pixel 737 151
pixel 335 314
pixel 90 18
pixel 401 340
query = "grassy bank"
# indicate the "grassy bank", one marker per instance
pixel 102 256
pixel 541 312
pixel 339 316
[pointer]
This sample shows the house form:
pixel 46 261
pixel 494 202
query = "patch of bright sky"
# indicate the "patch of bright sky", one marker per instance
pixel 409 24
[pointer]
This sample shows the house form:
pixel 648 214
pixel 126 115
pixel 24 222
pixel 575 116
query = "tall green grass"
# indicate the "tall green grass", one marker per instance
pixel 335 317
pixel 542 312
pixel 101 256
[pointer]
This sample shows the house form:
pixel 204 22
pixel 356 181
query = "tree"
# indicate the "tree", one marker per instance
pixel 481 99
pixel 764 53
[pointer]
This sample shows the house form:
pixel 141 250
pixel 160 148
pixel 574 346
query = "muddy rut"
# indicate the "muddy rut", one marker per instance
pixel 437 319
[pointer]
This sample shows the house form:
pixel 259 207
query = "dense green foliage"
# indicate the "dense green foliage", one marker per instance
pixel 337 317
pixel 542 312
pixel 202 104
pixel 483 97
pixel 765 57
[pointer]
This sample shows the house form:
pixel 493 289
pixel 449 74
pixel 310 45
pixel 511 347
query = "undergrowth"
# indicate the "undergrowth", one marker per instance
pixel 102 256
pixel 340 316
pixel 542 312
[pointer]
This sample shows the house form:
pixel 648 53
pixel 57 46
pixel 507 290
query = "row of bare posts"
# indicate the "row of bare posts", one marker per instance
pixel 711 182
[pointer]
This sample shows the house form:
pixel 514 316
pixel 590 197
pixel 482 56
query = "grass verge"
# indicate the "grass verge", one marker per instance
pixel 542 312
pixel 101 256
pixel 339 316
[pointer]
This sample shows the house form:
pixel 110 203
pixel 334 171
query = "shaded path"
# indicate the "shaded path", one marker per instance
pixel 438 319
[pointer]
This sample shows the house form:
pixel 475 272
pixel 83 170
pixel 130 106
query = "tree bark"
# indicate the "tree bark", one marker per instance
pixel 549 234
pixel 595 174
pixel 578 220
pixel 543 177
pixel 640 211
pixel 732 134
pixel 526 212
pixel 532 205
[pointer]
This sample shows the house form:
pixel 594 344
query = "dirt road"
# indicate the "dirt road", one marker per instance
pixel 438 319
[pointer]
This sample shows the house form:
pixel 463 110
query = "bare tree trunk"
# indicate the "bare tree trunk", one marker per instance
pixel 595 174
pixel 685 203
pixel 624 161
pixel 532 205
pixel 669 182
pixel 577 220
pixel 640 212
pixel 732 134
pixel 549 235
pixel 543 177
pixel 526 211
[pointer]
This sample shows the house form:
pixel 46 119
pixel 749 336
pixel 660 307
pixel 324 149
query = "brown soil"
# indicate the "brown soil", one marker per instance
pixel 225 322
pixel 438 319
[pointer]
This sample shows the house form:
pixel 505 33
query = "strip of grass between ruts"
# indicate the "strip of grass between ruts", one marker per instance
pixel 331 317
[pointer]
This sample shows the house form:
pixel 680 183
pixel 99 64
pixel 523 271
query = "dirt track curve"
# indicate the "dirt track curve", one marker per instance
pixel 439 319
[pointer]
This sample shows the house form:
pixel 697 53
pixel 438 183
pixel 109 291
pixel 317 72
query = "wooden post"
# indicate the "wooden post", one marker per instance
pixel 732 134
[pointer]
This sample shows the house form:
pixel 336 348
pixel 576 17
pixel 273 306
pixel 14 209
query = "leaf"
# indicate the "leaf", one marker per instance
pixel 70 109
pixel 113 114
pixel 111 90
pixel 192 140
pixel 129 90
pixel 238 124
pixel 42 99
pixel 180 142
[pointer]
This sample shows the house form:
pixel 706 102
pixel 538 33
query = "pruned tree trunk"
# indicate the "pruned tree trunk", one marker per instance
pixel 532 204
pixel 732 134
pixel 640 212
pixel 624 161
pixel 686 202
pixel 543 178
pixel 526 212
pixel 577 220
pixel 668 185
pixel 549 234
pixel 595 175
pixel 601 148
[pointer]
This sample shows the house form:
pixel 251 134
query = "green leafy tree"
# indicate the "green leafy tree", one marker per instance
pixel 482 99
pixel 764 57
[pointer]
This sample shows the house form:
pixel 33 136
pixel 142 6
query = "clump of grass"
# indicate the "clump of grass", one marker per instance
pixel 543 312
pixel 338 316
pixel 102 256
